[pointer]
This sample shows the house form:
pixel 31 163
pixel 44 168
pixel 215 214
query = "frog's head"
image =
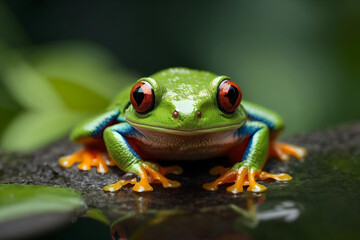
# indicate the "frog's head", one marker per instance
pixel 185 101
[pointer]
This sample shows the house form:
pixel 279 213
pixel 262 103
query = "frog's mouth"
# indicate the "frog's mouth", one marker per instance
pixel 193 131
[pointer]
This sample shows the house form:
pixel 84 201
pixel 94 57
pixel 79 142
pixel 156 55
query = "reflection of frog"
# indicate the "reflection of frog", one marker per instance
pixel 182 114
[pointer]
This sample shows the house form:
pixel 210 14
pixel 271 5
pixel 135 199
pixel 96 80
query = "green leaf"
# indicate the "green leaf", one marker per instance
pixel 31 130
pixel 27 86
pixel 81 63
pixel 78 97
pixel 8 108
pixel 18 201
pixel 57 85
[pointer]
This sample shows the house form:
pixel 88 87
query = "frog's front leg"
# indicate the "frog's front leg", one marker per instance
pixel 249 169
pixel 90 134
pixel 129 161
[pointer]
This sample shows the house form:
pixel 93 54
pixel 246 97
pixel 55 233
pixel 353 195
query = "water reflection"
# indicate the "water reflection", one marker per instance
pixel 228 221
pixel 286 211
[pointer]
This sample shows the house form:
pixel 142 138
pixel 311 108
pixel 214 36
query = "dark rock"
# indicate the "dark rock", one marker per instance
pixel 321 201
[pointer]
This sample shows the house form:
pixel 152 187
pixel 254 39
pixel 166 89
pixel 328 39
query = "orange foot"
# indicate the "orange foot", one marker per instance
pixel 88 158
pixel 147 174
pixel 242 176
pixel 284 150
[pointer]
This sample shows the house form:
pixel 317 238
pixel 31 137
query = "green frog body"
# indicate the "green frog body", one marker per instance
pixel 182 114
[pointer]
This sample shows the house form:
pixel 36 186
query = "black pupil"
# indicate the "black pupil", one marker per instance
pixel 232 95
pixel 138 95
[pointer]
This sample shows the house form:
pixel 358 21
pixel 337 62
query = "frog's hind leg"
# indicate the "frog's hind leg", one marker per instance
pixel 147 174
pixel 283 151
pixel 88 158
pixel 279 177
pixel 90 134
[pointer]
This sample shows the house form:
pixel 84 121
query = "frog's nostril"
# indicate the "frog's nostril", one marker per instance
pixel 175 114
pixel 199 114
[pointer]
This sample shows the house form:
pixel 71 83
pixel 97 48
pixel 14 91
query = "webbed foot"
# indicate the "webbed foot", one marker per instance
pixel 147 173
pixel 88 158
pixel 242 176
pixel 284 150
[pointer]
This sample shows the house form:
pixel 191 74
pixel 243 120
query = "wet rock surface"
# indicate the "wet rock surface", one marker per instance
pixel 322 200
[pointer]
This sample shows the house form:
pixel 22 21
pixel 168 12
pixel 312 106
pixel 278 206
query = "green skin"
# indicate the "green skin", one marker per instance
pixel 186 91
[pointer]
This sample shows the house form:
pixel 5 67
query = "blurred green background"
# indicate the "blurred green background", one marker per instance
pixel 61 61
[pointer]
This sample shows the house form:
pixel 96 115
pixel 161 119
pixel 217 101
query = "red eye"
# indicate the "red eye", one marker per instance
pixel 228 96
pixel 142 97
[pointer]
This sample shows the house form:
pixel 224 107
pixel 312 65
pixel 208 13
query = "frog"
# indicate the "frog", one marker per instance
pixel 182 114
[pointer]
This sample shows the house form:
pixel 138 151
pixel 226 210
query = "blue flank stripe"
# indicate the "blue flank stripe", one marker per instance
pixel 120 119
pixel 97 133
pixel 245 131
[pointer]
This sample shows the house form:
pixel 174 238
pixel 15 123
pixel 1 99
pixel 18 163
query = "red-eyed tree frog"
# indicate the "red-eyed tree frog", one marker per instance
pixel 182 114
